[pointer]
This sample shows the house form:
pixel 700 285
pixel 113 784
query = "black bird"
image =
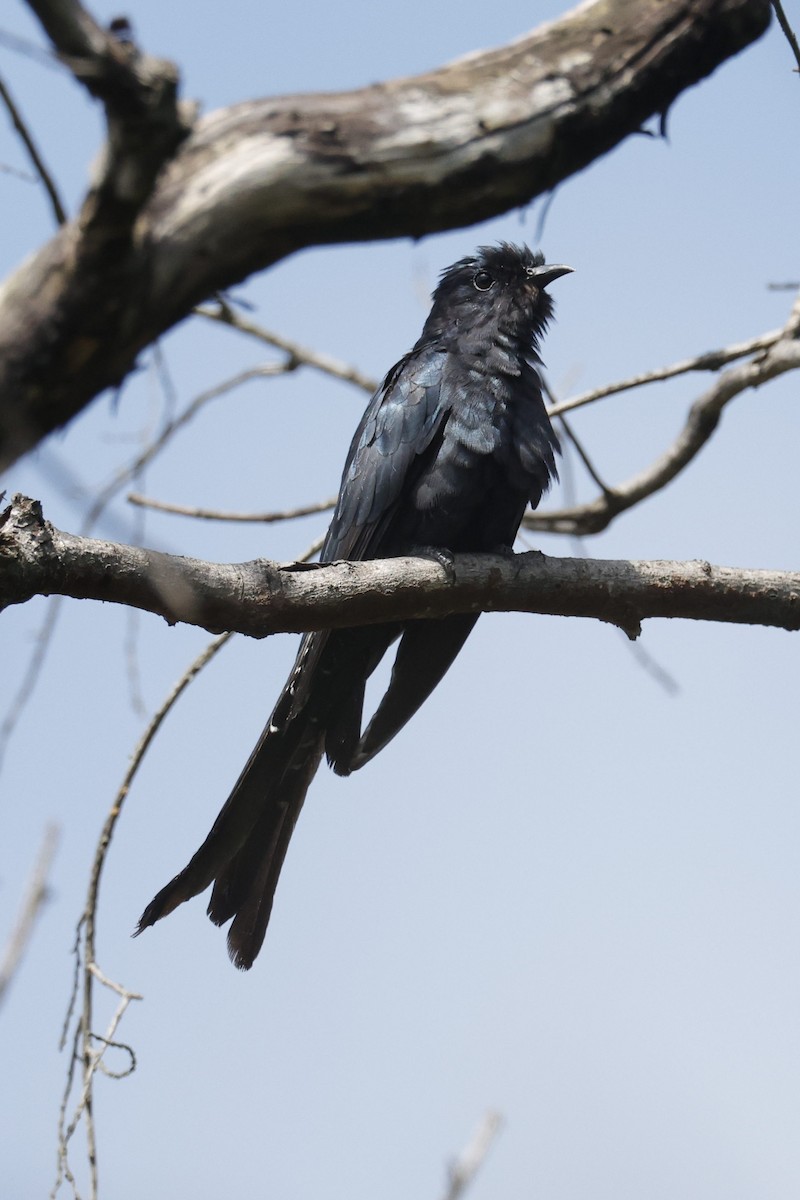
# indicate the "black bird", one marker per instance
pixel 451 449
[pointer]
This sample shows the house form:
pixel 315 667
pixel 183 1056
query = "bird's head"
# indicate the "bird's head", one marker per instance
pixel 504 283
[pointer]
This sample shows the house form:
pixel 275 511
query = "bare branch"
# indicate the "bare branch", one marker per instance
pixel 789 33
pixel 35 897
pixel 298 355
pixel 129 472
pixel 210 514
pixel 781 355
pixel 258 181
pixel 145 124
pixel 712 360
pixel 89 1048
pixel 119 480
pixel 33 153
pixel 19 701
pixel 87 267
pixel 260 597
pixel 32 50
pixel 468 1163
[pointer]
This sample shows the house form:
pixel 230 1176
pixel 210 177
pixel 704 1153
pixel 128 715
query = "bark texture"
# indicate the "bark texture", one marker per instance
pixel 258 598
pixel 181 209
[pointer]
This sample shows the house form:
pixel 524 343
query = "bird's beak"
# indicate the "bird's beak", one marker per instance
pixel 545 274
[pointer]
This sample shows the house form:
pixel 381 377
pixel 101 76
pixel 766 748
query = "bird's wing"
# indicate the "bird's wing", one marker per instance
pixel 400 423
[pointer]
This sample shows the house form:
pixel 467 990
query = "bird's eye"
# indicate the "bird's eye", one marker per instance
pixel 482 280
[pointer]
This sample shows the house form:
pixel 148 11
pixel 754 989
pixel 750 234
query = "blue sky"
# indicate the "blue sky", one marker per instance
pixel 562 893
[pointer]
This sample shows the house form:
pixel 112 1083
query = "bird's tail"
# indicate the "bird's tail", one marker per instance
pixel 319 711
pixel 245 888
pixel 245 849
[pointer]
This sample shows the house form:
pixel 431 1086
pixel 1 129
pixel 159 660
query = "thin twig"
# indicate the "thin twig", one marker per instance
pixel 131 638
pixel 465 1168
pixel 163 374
pixel 210 514
pixel 36 895
pixel 84 1046
pixel 713 360
pixel 573 438
pixel 119 480
pixel 583 455
pixel 544 213
pixel 643 657
pixel 33 153
pixel 17 173
pixel 652 667
pixel 28 49
pixel 27 687
pixel 298 355
pixel 789 33
pixel 776 355
pixel 89 1047
pixel 312 550
pixel 133 671
pixel 129 472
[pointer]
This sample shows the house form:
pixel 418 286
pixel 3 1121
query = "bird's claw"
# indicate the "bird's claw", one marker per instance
pixel 445 559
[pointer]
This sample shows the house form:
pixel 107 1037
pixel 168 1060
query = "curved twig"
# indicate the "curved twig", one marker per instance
pixel 782 354
pixel 210 514
pixel 298 354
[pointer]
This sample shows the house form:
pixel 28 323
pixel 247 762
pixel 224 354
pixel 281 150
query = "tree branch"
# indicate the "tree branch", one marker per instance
pixel 470 1160
pixel 300 356
pixel 45 178
pixel 258 181
pixel 778 353
pixel 94 271
pixel 789 33
pixel 144 121
pixel 260 597
pixel 36 896
pixel 210 514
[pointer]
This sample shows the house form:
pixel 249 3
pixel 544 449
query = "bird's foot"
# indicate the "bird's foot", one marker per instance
pixel 295 567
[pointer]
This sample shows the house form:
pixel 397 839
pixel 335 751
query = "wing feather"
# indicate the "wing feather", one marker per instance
pixel 398 426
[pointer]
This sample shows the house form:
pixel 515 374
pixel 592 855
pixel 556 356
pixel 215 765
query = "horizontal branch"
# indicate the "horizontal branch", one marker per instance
pixel 212 514
pixel 259 598
pixel 255 182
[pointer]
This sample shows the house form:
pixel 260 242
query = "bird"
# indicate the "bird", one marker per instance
pixel 453 446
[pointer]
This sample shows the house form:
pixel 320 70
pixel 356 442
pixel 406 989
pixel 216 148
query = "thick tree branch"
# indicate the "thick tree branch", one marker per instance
pixel 257 181
pixel 144 122
pixel 258 598
pixel 91 276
